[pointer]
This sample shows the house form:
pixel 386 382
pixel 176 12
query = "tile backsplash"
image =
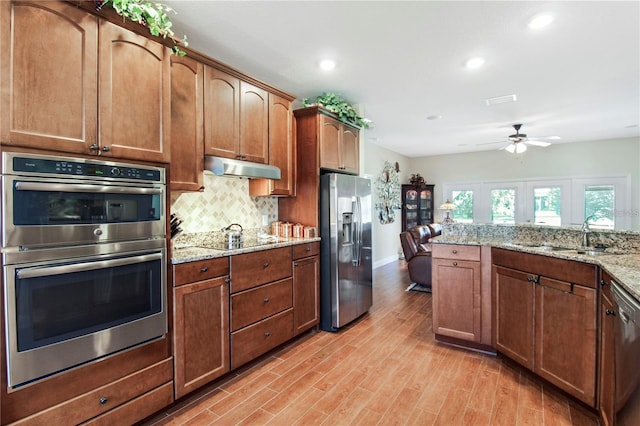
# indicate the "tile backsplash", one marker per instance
pixel 225 200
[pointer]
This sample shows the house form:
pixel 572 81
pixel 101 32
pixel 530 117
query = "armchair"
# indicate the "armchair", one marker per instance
pixel 417 253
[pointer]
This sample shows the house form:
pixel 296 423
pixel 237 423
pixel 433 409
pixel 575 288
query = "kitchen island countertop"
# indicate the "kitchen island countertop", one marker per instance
pixel 624 267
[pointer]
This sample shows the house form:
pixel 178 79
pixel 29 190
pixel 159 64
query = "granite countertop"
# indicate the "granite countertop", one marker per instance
pixel 624 267
pixel 191 253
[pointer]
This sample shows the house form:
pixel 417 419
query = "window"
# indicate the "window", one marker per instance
pixel 547 206
pixel 464 206
pixel 503 206
pixel 599 205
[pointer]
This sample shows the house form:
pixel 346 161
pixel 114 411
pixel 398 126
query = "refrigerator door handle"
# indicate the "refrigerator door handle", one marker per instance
pixel 357 230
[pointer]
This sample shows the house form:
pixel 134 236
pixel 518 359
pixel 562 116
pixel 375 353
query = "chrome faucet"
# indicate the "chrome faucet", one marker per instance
pixel 585 232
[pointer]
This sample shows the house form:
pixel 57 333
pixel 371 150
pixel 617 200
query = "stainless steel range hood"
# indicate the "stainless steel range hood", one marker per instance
pixel 227 167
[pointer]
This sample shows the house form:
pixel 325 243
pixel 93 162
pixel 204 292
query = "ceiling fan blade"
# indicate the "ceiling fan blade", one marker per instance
pixel 505 146
pixel 537 143
pixel 489 143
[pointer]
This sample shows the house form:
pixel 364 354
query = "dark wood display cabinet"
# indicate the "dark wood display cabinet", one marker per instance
pixel 417 205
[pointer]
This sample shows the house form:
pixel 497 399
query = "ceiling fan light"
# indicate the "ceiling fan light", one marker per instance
pixel 520 148
pixel 511 148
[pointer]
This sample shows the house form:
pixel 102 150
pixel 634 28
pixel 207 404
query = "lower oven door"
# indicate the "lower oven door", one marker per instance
pixel 67 312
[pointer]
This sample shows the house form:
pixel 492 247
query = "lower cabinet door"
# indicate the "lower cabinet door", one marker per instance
pixel 456 299
pixel 566 325
pixel 254 340
pixel 513 315
pixel 201 333
pixel 306 303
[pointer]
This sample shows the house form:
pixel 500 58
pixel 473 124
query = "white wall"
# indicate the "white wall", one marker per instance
pixel 595 158
pixel 385 238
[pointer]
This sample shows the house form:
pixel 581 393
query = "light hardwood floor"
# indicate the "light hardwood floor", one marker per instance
pixel 383 369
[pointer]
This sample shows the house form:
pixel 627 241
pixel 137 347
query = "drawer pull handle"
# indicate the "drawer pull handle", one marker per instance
pixel 454 251
pixel 104 400
pixel 204 269
pixel 610 312
pixel 266 300
pixel 455 263
pixel 266 264
pixel 267 334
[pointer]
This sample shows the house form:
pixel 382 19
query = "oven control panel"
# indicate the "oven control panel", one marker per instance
pixel 92 169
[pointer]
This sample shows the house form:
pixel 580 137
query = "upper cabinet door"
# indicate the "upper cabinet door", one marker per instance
pixel 221 113
pixel 254 120
pixel 187 135
pixel 330 130
pixel 135 95
pixel 49 80
pixel 350 150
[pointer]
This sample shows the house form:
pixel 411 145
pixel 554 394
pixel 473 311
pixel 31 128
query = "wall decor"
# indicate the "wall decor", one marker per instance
pixel 387 187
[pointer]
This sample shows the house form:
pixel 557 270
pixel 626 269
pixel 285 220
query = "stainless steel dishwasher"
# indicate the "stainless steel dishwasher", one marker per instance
pixel 627 356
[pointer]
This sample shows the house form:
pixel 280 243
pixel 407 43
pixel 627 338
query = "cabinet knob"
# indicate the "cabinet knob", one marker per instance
pixel 204 269
pixel 308 249
pixel 106 149
pixel 103 400
pixel 266 264
pixel 227 280
pixel 454 251
pixel 603 283
pixel 266 300
pixel 93 147
pixel 267 334
pixel 610 312
pixel 455 263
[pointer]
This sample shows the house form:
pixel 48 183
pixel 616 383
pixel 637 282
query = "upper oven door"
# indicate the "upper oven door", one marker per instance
pixel 40 212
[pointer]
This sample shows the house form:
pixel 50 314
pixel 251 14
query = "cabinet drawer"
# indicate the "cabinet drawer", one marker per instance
pixel 253 341
pixel 455 251
pixel 190 272
pixel 114 394
pixel 137 409
pixel 306 250
pixel 260 267
pixel 261 302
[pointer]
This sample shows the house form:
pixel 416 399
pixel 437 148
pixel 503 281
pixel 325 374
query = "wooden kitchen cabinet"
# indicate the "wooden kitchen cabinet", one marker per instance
pixel 187 131
pixel 49 84
pixel 83 86
pixel 306 286
pixel 134 95
pixel 460 295
pixel 339 145
pixel 281 151
pixel 236 118
pixel 606 375
pixel 546 318
pixel 201 323
pixel 261 303
pixel 318 146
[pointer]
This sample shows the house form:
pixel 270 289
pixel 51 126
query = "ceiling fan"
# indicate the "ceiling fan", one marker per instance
pixel 518 142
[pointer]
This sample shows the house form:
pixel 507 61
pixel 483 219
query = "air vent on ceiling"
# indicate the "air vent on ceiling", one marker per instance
pixel 501 100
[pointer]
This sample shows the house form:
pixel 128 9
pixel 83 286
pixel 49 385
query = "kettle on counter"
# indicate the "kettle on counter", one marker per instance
pixel 233 237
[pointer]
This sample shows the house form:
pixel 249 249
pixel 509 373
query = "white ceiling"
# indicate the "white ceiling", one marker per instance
pixel 400 62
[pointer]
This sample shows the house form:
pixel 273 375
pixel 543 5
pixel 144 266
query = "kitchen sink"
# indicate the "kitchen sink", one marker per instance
pixel 552 248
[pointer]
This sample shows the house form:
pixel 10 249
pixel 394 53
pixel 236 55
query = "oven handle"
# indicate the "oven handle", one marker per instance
pixel 63 187
pixel 85 266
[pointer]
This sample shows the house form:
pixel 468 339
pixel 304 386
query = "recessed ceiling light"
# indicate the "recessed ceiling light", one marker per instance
pixel 327 64
pixel 501 99
pixel 540 21
pixel 474 63
pixel 434 117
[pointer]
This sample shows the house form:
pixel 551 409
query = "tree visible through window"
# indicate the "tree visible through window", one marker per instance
pixel 599 204
pixel 546 206
pixel 503 206
pixel 464 206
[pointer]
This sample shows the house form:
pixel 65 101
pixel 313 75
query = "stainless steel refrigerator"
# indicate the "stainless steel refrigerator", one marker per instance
pixel 345 256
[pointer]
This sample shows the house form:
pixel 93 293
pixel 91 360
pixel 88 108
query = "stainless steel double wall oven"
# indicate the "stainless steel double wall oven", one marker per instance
pixel 83 261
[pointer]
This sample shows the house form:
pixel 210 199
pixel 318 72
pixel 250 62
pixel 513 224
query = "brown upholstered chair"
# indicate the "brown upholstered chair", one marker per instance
pixel 417 253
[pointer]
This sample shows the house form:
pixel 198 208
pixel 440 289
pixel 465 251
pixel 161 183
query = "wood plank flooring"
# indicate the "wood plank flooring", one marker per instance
pixel 384 369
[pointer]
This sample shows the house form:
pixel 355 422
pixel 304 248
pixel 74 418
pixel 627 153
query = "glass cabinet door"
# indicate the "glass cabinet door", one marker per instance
pixel 417 205
pixel 411 205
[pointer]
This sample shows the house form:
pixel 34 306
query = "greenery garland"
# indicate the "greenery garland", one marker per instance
pixel 154 16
